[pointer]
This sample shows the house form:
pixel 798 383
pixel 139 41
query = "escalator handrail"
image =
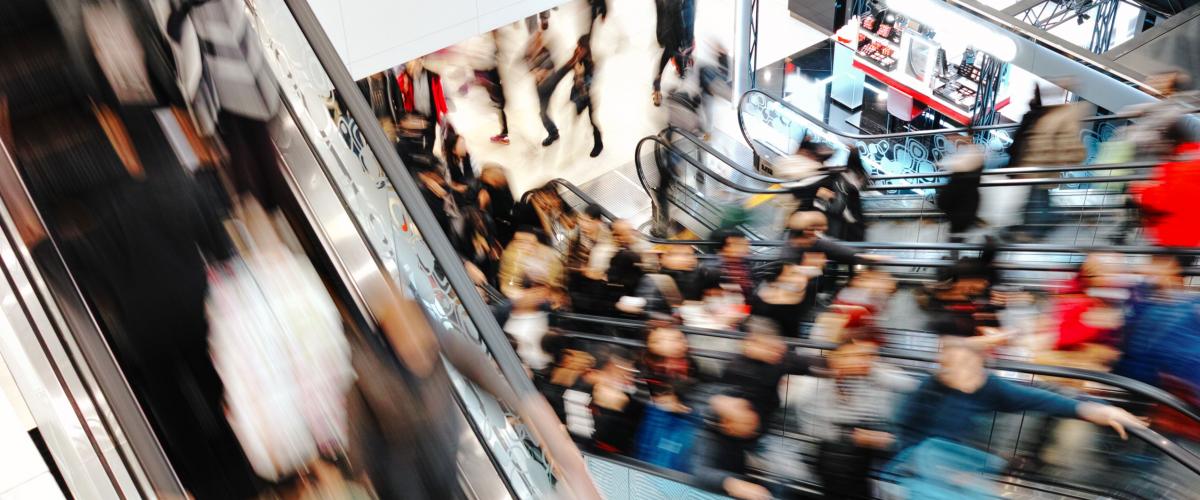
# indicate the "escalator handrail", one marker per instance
pixel 894 135
pixel 1130 385
pixel 661 142
pixel 553 437
pixel 1016 247
pixel 758 176
pixel 1181 455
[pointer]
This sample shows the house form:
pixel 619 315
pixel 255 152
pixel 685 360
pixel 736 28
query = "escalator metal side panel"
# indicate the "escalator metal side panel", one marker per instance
pixel 77 395
pixel 365 279
pixel 367 213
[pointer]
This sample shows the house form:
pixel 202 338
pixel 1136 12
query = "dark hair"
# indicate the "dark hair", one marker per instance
pixel 594 211
pixel 607 354
pixel 854 164
pixel 665 388
pixel 726 234
pixel 954 325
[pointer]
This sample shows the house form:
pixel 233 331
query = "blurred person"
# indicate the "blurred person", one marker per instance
pixel 599 10
pixel 806 234
pixel 546 78
pixel 422 103
pixel 729 431
pixel 1159 126
pixel 851 414
pixel 963 301
pixel 836 194
pixel 545 209
pixel 675 29
pixel 951 403
pixel 679 279
pixel 941 425
pixel 571 364
pixel 530 271
pixel 667 360
pixel 486 66
pixel 479 245
pixel 734 248
pixel 625 267
pixel 584 71
pixel 764 361
pixel 587 285
pixel 615 404
pixel 403 431
pixel 716 82
pixel 780 298
pixel 959 198
pixel 440 196
pixel 1048 137
pixel 667 429
pixel 1168 201
pixel 1161 329
pixel 496 198
pixel 721 307
pixel 458 161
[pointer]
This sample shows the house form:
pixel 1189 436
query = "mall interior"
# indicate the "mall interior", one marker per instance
pixel 585 249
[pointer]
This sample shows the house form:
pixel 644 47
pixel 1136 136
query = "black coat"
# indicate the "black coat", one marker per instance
pixel 960 200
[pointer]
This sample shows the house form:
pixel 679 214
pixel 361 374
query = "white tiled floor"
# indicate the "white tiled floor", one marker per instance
pixel 626 54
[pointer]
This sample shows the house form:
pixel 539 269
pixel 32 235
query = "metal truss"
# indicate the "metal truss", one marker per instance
pixel 991 73
pixel 1106 22
pixel 753 61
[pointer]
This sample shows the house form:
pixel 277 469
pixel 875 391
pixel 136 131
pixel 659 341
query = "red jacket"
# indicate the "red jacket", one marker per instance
pixel 1171 202
pixel 406 93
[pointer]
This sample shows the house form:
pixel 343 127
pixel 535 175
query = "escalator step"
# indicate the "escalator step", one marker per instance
pixel 65 153
pixel 34 75
pixel 17 16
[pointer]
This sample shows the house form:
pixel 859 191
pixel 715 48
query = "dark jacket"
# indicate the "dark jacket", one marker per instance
pixel 716 456
pixel 959 200
pixel 758 382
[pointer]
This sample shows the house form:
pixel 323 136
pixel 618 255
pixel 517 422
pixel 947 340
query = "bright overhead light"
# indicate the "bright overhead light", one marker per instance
pixel 945 20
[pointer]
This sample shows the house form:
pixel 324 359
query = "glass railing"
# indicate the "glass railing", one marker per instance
pixel 774 127
pixel 390 214
pixel 707 190
pixel 1093 463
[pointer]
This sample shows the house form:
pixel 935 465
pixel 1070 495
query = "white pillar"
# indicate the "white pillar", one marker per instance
pixel 742 41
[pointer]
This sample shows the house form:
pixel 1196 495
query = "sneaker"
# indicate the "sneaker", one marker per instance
pixel 550 139
pixel 500 139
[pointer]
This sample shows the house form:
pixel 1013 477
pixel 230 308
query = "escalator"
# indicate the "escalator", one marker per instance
pixel 67 151
pixel 1150 465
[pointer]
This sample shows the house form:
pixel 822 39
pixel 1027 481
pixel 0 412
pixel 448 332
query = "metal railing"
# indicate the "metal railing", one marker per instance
pixel 1182 457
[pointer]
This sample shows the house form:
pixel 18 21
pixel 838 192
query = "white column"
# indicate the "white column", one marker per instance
pixel 742 40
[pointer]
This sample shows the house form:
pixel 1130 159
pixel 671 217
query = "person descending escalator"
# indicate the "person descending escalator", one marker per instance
pixel 496 200
pixel 851 414
pixel 939 436
pixel 959 199
pixel 1047 136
